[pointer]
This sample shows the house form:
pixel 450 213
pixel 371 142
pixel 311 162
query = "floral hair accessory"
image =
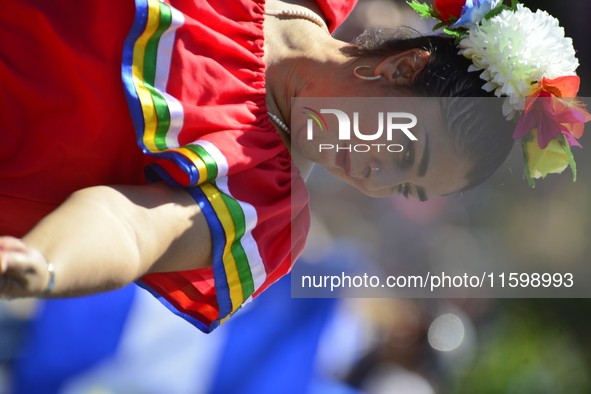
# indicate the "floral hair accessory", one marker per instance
pixel 525 57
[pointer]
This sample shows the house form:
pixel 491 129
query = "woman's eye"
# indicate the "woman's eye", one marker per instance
pixel 409 155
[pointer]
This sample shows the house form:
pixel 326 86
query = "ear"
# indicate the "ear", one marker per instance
pixel 403 67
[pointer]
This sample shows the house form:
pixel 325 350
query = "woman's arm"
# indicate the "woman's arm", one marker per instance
pixel 106 237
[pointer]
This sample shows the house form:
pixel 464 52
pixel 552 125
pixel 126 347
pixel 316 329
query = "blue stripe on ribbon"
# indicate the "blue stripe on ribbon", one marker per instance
pixel 218 236
pixel 135 108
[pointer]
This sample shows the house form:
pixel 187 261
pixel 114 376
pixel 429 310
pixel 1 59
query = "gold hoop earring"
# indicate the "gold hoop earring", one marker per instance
pixel 364 77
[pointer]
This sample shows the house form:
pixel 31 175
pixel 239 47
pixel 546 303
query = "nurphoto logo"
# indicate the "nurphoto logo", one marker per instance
pixel 393 123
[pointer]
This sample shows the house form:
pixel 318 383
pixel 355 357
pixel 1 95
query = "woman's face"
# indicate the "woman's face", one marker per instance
pixel 424 168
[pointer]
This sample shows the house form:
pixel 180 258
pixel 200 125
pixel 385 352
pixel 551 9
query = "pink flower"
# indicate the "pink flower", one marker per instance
pixel 553 109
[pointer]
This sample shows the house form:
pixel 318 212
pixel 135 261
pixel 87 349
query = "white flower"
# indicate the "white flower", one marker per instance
pixel 515 50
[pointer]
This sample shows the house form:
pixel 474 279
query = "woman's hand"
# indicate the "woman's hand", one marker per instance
pixel 23 270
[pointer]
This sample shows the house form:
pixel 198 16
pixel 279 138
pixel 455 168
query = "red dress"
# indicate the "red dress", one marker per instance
pixel 84 83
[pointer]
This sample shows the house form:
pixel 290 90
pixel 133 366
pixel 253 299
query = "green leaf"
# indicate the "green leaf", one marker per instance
pixel 496 11
pixel 435 14
pixel 424 10
pixel 440 25
pixel 569 155
pixel 452 32
pixel 458 34
pixel 514 4
pixel 527 173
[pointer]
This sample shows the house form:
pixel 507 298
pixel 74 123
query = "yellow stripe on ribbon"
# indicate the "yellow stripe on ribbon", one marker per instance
pixel 145 97
pixel 223 214
pixel 196 160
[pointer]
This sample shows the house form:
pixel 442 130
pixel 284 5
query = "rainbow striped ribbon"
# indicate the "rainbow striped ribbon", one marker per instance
pixel 158 121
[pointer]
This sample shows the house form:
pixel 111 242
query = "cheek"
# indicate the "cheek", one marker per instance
pixel 390 153
pixel 317 151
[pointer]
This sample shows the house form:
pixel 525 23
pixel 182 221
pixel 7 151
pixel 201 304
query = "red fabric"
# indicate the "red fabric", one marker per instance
pixel 191 292
pixel 64 123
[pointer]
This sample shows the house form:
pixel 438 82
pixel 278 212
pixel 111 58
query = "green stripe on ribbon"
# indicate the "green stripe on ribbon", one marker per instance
pixel 150 59
pixel 242 266
pixel 210 163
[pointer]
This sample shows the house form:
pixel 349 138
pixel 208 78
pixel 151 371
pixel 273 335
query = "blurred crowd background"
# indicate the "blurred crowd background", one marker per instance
pixel 125 342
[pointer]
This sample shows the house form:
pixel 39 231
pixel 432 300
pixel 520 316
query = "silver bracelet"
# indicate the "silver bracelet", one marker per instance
pixel 51 283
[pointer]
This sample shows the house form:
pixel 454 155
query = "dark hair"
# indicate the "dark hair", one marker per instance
pixel 483 140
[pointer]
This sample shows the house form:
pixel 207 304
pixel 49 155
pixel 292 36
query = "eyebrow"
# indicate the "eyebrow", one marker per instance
pixel 423 165
pixel 425 158
pixel 421 193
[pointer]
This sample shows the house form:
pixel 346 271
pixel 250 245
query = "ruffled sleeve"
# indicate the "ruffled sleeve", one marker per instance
pixel 195 83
